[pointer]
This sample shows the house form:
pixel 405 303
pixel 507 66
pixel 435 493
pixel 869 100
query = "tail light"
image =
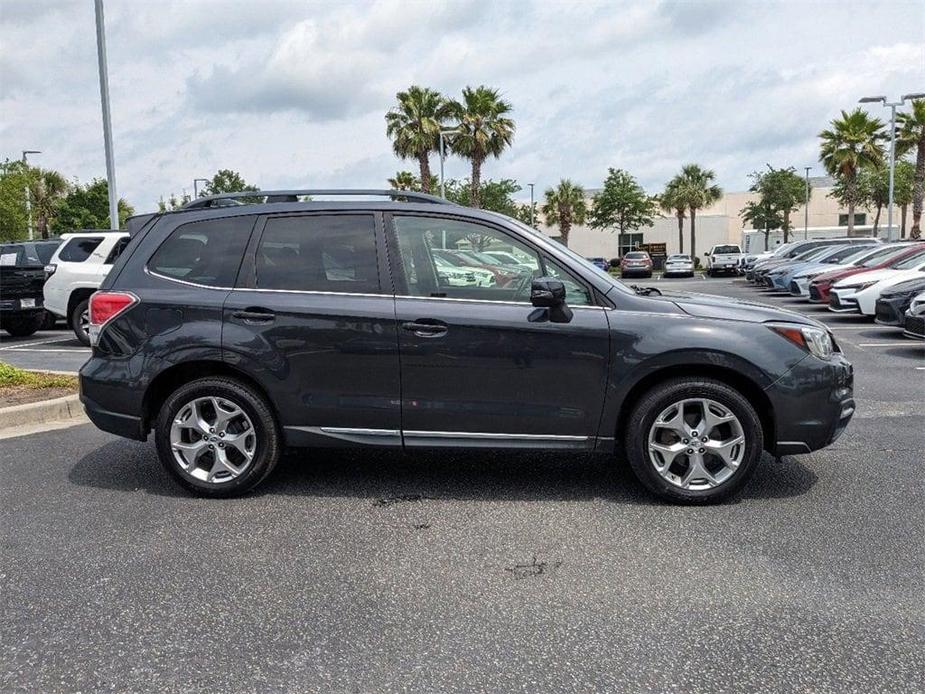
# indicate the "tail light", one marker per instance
pixel 104 306
pixel 50 270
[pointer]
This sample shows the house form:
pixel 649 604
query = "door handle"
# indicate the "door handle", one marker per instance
pixel 426 328
pixel 255 315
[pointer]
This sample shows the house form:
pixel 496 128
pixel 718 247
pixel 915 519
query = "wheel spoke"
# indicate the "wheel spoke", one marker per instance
pixel 710 420
pixel 191 451
pixel 220 464
pixel 668 452
pixel 675 423
pixel 239 443
pixel 224 413
pixel 723 450
pixel 697 471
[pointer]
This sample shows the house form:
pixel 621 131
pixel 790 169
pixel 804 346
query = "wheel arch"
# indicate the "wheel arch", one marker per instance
pixel 77 295
pixel 732 377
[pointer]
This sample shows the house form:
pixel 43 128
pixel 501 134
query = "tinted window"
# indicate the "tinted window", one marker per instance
pixel 727 249
pixel 322 253
pixel 637 256
pixel 78 250
pixel 44 251
pixel 207 252
pixel 117 250
pixel 910 263
pixel 441 258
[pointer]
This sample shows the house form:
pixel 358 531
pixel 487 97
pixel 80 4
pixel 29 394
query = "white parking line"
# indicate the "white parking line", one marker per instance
pixel 46 341
pixel 885 344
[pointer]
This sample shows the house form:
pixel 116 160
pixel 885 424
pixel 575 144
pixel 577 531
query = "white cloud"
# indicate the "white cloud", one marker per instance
pixel 291 93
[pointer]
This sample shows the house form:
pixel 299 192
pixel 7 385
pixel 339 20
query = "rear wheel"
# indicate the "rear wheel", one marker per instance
pixel 217 437
pixel 694 440
pixel 80 321
pixel 24 325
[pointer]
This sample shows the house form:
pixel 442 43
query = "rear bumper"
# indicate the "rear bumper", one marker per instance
pixel 125 425
pixel 111 398
pixel 813 403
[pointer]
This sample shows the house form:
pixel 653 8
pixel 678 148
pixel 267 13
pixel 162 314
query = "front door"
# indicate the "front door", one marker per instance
pixel 479 364
pixel 311 319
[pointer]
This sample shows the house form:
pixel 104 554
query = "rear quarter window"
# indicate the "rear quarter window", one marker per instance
pixel 78 250
pixel 207 252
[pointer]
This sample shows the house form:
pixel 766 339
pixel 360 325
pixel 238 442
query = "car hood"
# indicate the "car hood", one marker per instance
pixel 711 306
pixel 869 276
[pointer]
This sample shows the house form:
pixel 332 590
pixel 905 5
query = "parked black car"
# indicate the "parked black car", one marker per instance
pixel 22 276
pixel 235 331
pixel 893 302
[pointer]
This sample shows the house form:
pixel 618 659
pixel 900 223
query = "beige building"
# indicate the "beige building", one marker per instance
pixel 722 223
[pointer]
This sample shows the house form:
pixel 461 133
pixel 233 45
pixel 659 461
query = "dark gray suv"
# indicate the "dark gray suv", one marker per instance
pixel 389 318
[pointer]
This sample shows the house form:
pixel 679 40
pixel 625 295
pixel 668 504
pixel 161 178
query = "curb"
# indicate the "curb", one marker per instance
pixel 67 407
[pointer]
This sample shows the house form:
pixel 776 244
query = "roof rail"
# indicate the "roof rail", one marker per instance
pixel 293 195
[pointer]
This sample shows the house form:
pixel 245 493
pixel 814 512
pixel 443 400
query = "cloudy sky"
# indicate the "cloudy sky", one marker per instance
pixel 292 94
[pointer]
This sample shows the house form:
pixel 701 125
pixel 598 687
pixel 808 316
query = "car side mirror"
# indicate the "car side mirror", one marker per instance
pixel 549 293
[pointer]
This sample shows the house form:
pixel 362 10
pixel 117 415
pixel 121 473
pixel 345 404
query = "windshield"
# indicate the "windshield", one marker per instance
pixel 679 256
pixel 635 255
pixel 910 263
pixel 845 253
pixel 727 249
pixel 882 255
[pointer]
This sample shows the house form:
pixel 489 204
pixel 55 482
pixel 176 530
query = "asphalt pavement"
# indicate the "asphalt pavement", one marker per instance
pixel 371 571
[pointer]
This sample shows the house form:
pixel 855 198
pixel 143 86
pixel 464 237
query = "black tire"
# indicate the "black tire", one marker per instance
pixel 75 320
pixel 49 321
pixel 268 446
pixel 663 396
pixel 24 325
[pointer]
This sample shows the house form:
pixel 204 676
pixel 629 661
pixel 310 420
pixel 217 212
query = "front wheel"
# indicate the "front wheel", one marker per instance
pixel 217 437
pixel 694 440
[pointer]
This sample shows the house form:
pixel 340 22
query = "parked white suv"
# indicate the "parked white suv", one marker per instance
pixel 77 268
pixel 724 257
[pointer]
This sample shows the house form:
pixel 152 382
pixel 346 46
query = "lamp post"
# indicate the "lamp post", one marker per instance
pixel 107 121
pixel 892 106
pixel 195 189
pixel 452 131
pixel 25 155
pixel 806 205
pixel 531 202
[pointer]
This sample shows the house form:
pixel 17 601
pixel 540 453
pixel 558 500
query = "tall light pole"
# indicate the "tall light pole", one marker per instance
pixel 531 202
pixel 195 189
pixel 25 155
pixel 806 205
pixel 107 121
pixel 442 157
pixel 892 106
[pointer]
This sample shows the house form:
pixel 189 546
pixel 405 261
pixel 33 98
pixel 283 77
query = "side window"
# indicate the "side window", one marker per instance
pixel 576 294
pixel 207 252
pixel 78 250
pixel 450 258
pixel 321 253
pixel 117 250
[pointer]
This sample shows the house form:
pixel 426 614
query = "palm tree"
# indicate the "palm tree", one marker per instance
pixel 910 134
pixel 851 143
pixel 565 205
pixel 482 130
pixel 696 190
pixel 671 202
pixel 414 126
pixel 46 190
pixel 404 180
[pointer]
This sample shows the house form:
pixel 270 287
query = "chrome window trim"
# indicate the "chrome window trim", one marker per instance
pixel 492 436
pixel 152 273
pixel 360 431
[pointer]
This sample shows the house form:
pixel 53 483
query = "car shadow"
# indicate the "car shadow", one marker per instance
pixel 383 476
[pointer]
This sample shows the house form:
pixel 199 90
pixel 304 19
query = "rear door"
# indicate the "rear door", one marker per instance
pixel 313 319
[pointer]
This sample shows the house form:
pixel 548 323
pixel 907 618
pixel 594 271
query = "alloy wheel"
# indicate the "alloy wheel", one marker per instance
pixel 696 444
pixel 213 439
pixel 85 323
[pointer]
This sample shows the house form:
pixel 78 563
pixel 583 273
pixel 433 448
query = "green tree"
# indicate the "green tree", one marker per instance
pixel 910 136
pixel 673 203
pixel 227 181
pixel 903 190
pixel 852 143
pixel 405 180
pixel 874 191
pixel 622 204
pixel 173 202
pixel 14 177
pixel 697 191
pixel 483 129
pixel 46 189
pixel 527 215
pixel 496 196
pixel 781 192
pixel 414 124
pixel 87 207
pixel 565 205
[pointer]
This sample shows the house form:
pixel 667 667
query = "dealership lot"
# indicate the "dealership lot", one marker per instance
pixel 371 571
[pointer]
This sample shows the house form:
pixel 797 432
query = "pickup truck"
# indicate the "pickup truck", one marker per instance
pixel 723 258
pixel 22 278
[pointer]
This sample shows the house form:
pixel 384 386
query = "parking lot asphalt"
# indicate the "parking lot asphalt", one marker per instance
pixel 375 571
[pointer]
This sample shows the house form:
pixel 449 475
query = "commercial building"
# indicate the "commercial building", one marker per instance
pixel 722 223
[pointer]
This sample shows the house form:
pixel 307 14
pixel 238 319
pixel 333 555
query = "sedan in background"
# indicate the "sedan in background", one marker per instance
pixel 799 277
pixel 601 263
pixel 915 318
pixel 860 293
pixel 893 302
pixel 879 259
pixel 636 263
pixel 679 264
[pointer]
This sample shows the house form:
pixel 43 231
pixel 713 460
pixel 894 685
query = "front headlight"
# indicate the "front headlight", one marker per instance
pixel 857 287
pixel 816 341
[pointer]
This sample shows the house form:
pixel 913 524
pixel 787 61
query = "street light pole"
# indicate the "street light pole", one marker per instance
pixel 806 205
pixel 531 202
pixel 107 121
pixel 892 105
pixel 25 155
pixel 451 131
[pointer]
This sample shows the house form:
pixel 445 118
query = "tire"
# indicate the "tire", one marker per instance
pixel 24 325
pixel 266 442
pixel 728 479
pixel 77 321
pixel 49 321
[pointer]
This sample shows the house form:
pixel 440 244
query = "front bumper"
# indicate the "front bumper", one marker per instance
pixel 842 304
pixel 819 294
pixel 891 311
pixel 813 403
pixel 799 287
pixel 915 327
